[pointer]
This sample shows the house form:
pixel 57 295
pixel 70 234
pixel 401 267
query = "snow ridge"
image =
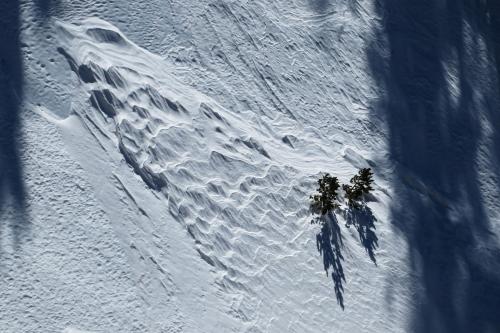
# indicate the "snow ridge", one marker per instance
pixel 236 181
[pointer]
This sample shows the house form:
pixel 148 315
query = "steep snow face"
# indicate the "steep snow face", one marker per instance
pixel 166 180
pixel 438 63
pixel 238 182
pixel 207 196
pixel 61 262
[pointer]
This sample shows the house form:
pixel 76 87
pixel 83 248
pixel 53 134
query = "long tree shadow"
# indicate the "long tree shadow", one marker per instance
pixel 319 6
pixel 12 188
pixel 46 8
pixel 489 25
pixel 322 6
pixel 363 220
pixel 329 244
pixel 437 63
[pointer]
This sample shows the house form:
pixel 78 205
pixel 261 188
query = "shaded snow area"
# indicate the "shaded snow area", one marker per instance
pixel 157 159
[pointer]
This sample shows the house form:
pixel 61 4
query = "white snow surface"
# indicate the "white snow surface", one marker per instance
pixel 169 149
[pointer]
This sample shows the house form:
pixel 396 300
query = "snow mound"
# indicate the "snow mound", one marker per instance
pixel 238 182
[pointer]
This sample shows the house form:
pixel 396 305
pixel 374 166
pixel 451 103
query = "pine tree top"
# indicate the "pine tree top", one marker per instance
pixel 324 201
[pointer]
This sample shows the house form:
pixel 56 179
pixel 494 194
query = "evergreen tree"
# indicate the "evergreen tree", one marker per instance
pixel 361 184
pixel 365 180
pixel 325 200
pixel 352 194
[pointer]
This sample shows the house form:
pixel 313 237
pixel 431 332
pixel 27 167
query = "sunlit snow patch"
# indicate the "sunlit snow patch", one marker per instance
pixel 238 182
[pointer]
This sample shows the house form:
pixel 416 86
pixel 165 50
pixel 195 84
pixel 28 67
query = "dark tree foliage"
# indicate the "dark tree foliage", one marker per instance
pixel 352 194
pixel 361 184
pixel 325 200
pixel 364 179
pixel 325 204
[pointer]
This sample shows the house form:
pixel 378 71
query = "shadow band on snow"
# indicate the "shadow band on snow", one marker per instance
pixel 436 135
pixel 363 220
pixel 329 244
pixel 12 187
pixel 13 215
pixel 329 241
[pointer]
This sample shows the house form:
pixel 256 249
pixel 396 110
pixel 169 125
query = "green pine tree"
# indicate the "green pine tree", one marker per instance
pixel 361 184
pixel 365 180
pixel 326 198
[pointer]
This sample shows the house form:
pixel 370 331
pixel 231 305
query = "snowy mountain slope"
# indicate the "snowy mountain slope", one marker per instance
pixel 440 104
pixel 200 155
pixel 239 184
pixel 58 265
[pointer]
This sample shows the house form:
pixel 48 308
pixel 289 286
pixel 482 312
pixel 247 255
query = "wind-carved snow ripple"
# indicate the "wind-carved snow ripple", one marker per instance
pixel 236 181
